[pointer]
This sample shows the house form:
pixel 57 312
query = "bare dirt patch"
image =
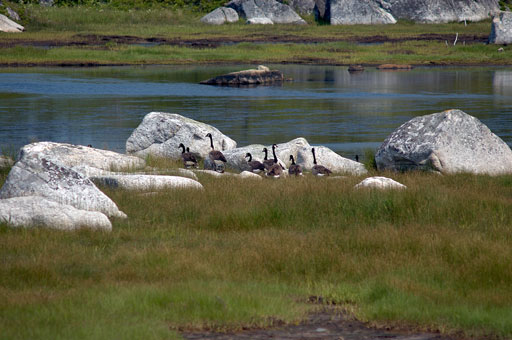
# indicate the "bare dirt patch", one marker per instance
pixel 329 323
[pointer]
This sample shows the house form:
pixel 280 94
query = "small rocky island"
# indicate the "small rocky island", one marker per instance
pixel 260 76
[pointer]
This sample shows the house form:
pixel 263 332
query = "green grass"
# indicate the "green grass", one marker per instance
pixel 332 44
pixel 248 253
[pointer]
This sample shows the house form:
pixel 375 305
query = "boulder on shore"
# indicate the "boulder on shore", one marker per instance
pixel 440 11
pixel 35 211
pixel 330 159
pixel 220 16
pixel 277 12
pixel 146 182
pixel 260 76
pixel 355 12
pixel 37 173
pixel 449 142
pixel 501 29
pixel 7 25
pixel 160 133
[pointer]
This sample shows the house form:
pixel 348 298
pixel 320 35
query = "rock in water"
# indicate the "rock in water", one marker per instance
pixel 35 211
pixel 7 25
pixel 38 174
pixel 440 11
pixel 449 142
pixel 501 29
pixel 160 133
pixel 220 16
pixel 352 12
pixel 260 76
pixel 277 12
pixel 378 182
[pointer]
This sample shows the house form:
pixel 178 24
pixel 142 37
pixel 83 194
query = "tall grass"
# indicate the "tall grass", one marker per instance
pixel 247 253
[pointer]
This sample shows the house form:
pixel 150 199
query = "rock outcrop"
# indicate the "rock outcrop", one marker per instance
pixel 260 76
pixel 378 182
pixel 35 211
pixel 159 134
pixel 146 182
pixel 449 142
pixel 7 25
pixel 38 173
pixel 277 12
pixel 352 12
pixel 329 159
pixel 302 6
pixel 12 14
pixel 236 157
pixel 440 11
pixel 220 16
pixel 501 29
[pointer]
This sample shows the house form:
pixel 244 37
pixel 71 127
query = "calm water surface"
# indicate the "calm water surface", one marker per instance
pixel 325 104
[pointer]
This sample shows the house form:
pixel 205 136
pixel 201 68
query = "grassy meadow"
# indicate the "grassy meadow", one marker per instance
pixel 244 253
pixel 105 35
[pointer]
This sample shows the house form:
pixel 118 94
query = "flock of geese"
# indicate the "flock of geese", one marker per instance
pixel 270 167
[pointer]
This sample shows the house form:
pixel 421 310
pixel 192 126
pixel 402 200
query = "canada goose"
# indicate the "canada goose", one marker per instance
pixel 275 171
pixel 256 166
pixel 215 155
pixel 319 170
pixel 189 160
pixel 267 163
pixel 294 169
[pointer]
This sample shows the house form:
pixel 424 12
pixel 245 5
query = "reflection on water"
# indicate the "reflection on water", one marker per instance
pixel 325 104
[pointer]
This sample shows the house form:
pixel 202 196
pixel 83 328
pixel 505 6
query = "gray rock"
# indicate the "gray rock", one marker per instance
pixel 38 174
pixel 87 161
pixel 449 142
pixel 236 157
pixel 7 25
pixel 260 76
pixel 501 29
pixel 378 182
pixel 302 6
pixel 440 11
pixel 34 211
pixel 277 12
pixel 5 162
pixel 321 10
pixel 220 16
pixel 259 21
pixel 146 182
pixel 12 14
pixel 329 159
pixel 352 12
pixel 160 133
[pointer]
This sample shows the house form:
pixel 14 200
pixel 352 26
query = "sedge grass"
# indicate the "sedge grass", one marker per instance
pixel 244 253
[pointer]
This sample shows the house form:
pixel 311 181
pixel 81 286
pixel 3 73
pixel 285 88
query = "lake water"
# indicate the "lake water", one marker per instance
pixel 325 104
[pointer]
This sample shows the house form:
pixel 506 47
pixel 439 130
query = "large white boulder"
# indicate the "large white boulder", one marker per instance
pixel 146 182
pixel 330 159
pixel 379 182
pixel 449 142
pixel 440 11
pixel 35 211
pixel 220 16
pixel 501 29
pixel 87 161
pixel 276 12
pixel 236 157
pixel 38 173
pixel 159 134
pixel 352 12
pixel 7 25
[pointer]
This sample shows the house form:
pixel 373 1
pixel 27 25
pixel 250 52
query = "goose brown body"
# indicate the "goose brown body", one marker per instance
pixel 319 170
pixel 189 160
pixel 294 169
pixel 215 155
pixel 256 166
